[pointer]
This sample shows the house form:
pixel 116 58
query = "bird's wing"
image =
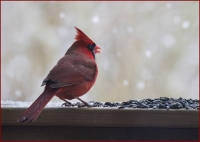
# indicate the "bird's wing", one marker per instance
pixel 69 72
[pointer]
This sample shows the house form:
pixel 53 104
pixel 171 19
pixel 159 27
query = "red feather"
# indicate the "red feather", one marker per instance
pixel 72 77
pixel 81 36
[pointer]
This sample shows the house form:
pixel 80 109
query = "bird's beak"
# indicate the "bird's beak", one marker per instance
pixel 97 49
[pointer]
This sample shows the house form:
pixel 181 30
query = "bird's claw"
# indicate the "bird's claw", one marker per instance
pixel 79 104
pixel 84 104
pixel 66 104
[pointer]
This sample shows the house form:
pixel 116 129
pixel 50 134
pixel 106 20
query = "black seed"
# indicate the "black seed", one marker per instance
pixel 91 103
pixel 168 107
pixel 129 106
pixel 126 103
pixel 182 103
pixel 150 100
pixel 174 106
pixel 78 103
pixel 190 101
pixel 133 101
pixel 120 107
pixel 162 106
pixel 142 105
pixel 187 107
pixel 157 101
pixel 155 107
pixel 151 105
pixel 164 98
pixel 98 103
pixel 193 106
pixel 108 104
pixel 186 103
pixel 179 105
pixel 142 102
pixel 133 105
pixel 116 104
pixel 166 104
pixel 173 99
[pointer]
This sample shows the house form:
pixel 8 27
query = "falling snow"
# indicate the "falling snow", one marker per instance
pixel 146 74
pixel 168 40
pixel 168 5
pixel 119 54
pixel 185 24
pixel 62 15
pixel 95 19
pixel 125 82
pixel 149 6
pixel 62 31
pixel 140 85
pixel 18 93
pixel 129 29
pixel 148 53
pixel 13 68
pixel 177 20
pixel 114 30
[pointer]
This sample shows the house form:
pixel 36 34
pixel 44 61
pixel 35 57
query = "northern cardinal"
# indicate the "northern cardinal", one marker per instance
pixel 71 77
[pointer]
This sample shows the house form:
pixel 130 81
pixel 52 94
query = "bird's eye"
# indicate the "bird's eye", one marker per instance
pixel 91 47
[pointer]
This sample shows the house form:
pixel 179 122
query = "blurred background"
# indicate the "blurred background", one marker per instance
pixel 149 49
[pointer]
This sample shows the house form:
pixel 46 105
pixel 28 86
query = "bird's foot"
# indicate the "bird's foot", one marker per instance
pixel 67 104
pixel 84 105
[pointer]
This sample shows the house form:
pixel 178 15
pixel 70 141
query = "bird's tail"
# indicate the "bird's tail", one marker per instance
pixel 37 106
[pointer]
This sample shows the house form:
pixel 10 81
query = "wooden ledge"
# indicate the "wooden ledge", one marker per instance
pixel 106 117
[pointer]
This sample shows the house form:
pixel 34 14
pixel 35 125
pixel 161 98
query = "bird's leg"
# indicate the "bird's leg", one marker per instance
pixel 85 103
pixel 67 103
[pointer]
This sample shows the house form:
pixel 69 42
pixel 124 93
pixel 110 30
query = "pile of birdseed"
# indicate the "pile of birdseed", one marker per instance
pixel 158 103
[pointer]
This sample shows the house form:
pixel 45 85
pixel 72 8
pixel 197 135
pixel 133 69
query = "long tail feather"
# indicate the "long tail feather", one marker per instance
pixel 37 106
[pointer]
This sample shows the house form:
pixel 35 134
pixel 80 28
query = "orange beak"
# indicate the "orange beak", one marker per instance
pixel 97 49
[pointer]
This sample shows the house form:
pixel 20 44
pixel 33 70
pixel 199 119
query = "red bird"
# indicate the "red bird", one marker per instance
pixel 72 77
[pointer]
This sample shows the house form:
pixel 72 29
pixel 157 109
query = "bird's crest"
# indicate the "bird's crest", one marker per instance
pixel 81 36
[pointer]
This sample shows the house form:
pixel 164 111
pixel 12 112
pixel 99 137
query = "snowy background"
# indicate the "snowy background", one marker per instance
pixel 149 49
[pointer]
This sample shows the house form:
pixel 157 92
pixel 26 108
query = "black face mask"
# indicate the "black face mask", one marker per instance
pixel 91 48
